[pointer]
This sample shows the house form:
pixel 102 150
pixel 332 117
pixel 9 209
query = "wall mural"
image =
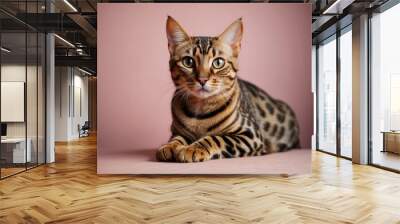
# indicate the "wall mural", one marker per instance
pixel 210 88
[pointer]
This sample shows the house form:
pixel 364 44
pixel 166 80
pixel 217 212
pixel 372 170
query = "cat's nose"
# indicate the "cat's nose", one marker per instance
pixel 202 81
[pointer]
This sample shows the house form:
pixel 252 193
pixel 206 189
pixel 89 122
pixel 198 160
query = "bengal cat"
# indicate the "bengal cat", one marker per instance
pixel 216 114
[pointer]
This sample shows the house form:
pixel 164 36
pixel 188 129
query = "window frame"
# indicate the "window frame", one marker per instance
pixel 333 37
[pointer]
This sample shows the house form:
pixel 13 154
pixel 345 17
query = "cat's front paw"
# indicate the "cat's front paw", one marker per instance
pixel 166 153
pixel 193 153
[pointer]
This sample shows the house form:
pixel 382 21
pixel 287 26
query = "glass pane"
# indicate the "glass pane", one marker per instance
pixel 41 98
pixel 327 96
pixel 13 88
pixel 22 89
pixel 346 94
pixel 32 95
pixel 31 88
pixel 385 114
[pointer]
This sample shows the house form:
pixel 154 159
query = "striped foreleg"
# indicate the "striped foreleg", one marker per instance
pixel 224 146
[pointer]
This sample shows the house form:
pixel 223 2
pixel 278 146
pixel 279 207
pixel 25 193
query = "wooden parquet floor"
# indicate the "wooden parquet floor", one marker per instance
pixel 70 191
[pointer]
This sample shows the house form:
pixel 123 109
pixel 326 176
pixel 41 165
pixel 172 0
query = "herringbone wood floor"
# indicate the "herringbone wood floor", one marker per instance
pixel 69 191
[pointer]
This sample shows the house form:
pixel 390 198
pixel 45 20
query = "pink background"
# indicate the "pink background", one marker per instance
pixel 134 86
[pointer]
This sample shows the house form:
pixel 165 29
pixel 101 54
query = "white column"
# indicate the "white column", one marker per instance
pixel 50 99
pixel 50 92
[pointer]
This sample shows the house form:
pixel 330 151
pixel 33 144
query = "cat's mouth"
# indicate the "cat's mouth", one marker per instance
pixel 202 89
pixel 202 92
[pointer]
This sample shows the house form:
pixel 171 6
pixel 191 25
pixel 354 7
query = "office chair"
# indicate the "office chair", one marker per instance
pixel 84 130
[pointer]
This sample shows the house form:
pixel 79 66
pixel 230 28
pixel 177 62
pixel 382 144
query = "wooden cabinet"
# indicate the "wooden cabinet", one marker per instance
pixel 391 142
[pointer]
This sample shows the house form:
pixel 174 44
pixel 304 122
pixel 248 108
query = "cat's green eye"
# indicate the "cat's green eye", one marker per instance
pixel 218 63
pixel 188 62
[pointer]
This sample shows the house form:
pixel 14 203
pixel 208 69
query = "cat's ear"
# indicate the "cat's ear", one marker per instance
pixel 233 34
pixel 175 33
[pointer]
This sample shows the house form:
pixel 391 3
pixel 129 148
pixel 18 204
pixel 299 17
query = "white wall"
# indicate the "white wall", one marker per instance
pixel 70 83
pixel 15 72
pixel 79 117
pixel 62 81
pixel 10 73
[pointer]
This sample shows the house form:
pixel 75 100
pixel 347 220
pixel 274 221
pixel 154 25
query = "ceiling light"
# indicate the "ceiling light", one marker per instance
pixel 79 51
pixel 64 40
pixel 70 5
pixel 84 71
pixel 5 50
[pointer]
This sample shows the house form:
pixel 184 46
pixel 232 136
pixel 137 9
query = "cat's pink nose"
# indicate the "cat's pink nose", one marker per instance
pixel 202 81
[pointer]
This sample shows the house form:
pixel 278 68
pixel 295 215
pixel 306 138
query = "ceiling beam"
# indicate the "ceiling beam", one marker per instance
pixel 84 24
pixel 320 22
pixel 82 61
pixel 337 7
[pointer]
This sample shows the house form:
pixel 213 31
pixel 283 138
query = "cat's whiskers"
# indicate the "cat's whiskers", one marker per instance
pixel 183 93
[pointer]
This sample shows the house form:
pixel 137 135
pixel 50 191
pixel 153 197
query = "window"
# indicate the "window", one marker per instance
pixel 346 93
pixel 327 95
pixel 334 106
pixel 385 89
pixel 394 102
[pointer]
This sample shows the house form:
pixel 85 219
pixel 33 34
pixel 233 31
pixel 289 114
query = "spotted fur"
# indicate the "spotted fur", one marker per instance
pixel 216 114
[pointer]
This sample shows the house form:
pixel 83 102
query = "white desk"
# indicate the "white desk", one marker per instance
pixel 17 147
